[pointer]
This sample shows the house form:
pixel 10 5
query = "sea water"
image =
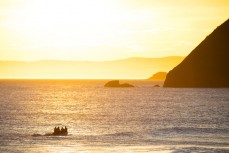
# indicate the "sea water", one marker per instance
pixel 100 119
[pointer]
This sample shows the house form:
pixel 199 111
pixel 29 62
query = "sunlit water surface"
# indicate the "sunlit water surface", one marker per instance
pixel 99 119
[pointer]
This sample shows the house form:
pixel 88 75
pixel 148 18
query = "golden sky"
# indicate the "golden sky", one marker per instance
pixel 105 29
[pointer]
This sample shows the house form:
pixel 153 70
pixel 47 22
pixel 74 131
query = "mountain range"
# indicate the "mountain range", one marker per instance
pixel 131 68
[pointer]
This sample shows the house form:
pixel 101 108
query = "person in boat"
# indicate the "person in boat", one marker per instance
pixel 58 130
pixel 62 130
pixel 55 130
pixel 65 129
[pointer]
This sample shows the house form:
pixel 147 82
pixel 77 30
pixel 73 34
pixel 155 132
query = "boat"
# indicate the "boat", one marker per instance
pixel 60 132
pixel 57 132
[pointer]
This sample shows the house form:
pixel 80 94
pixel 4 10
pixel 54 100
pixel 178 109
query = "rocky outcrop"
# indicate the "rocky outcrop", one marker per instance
pixel 207 65
pixel 160 76
pixel 115 83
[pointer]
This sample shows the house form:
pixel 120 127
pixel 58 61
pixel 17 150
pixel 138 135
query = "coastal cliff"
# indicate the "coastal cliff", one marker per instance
pixel 207 65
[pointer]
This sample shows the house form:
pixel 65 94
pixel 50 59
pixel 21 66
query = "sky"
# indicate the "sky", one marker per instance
pixel 102 30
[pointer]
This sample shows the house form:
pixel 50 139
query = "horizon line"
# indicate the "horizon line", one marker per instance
pixel 74 79
pixel 63 60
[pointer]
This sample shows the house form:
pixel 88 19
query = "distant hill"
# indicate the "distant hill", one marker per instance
pixel 207 65
pixel 160 76
pixel 132 68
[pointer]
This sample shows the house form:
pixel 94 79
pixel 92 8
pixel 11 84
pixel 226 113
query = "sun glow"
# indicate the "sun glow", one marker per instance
pixel 63 25
pixel 74 29
pixel 57 28
pixel 104 29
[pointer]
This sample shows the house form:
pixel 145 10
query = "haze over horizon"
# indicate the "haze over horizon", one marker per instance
pixel 103 30
pixel 132 68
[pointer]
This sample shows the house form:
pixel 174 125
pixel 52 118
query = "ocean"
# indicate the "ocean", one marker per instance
pixel 99 119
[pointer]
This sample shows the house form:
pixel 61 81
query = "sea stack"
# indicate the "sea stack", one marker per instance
pixel 115 83
pixel 207 65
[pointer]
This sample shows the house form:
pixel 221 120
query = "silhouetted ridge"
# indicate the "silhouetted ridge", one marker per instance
pixel 207 65
pixel 158 76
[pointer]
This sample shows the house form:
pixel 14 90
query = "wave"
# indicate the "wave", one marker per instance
pixel 190 130
pixel 200 150
pixel 121 134
pixel 165 136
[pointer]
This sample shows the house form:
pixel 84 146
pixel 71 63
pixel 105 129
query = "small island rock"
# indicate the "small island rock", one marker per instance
pixel 126 85
pixel 115 83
